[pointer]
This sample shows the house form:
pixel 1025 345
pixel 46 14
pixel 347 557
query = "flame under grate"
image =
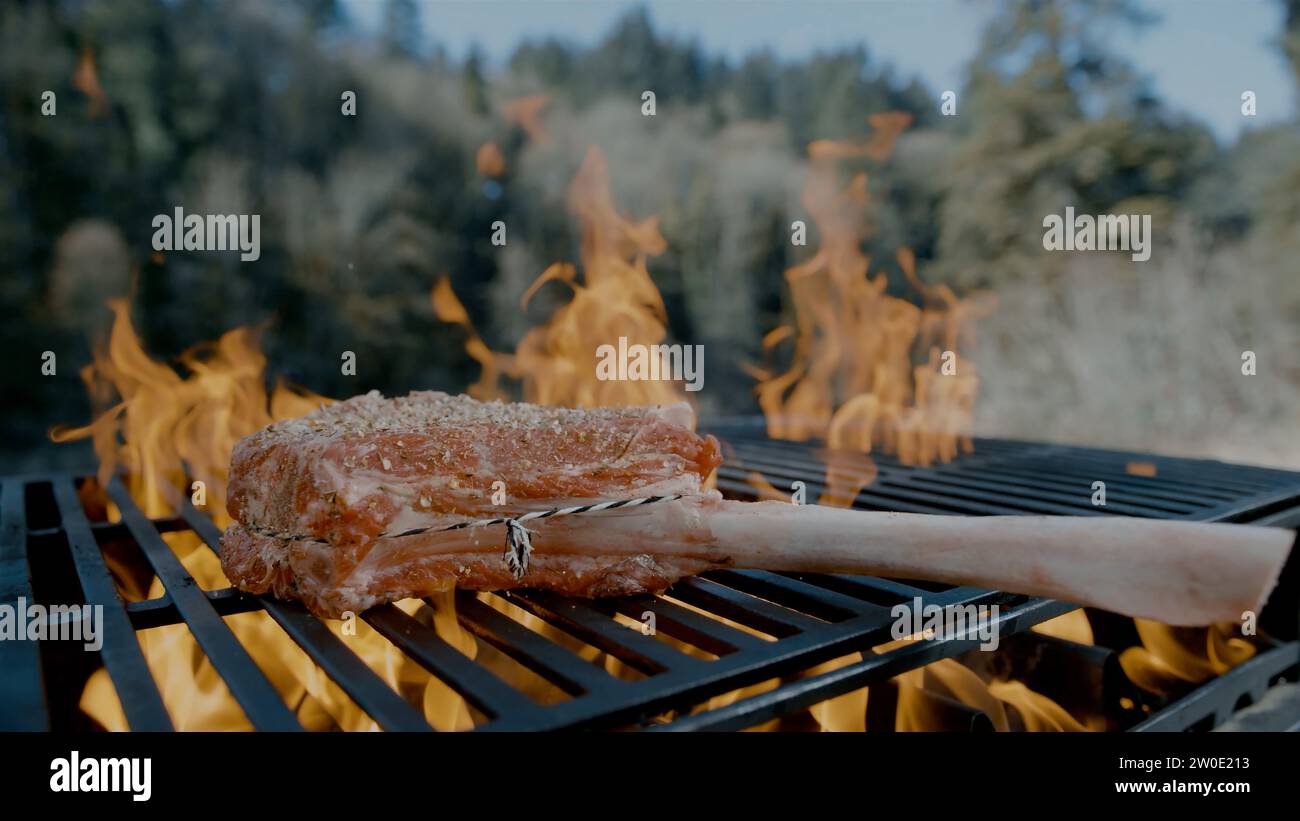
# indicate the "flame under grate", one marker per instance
pixel 812 619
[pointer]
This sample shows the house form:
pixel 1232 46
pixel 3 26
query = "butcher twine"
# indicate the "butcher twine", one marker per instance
pixel 519 543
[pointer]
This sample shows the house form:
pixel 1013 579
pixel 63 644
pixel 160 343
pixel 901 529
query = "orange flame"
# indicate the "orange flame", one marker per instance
pixel 853 381
pixel 1038 712
pixel 952 680
pixel 86 80
pixel 1073 626
pixel 166 428
pixel 1002 701
pixel 1171 658
pixel 489 160
pixel 1147 469
pixel 615 297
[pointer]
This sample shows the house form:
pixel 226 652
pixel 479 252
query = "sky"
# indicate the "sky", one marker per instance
pixel 1200 55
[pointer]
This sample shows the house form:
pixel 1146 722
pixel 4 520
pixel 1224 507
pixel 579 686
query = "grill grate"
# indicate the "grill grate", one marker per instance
pixel 812 618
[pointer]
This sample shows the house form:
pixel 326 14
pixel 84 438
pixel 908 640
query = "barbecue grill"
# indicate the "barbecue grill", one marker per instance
pixel 53 553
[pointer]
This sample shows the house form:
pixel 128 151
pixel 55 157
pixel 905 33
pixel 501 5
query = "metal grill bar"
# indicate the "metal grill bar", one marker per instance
pixel 161 611
pixel 1069 487
pixel 260 701
pixel 800 695
pixel 552 662
pixel 597 629
pixel 696 681
pixel 366 689
pixel 760 615
pixel 1045 494
pixel 786 591
pixel 689 626
pixel 22 689
pixel 1181 489
pixel 142 704
pixel 1045 499
pixel 1160 487
pixel 1212 478
pixel 478 686
pixel 1214 705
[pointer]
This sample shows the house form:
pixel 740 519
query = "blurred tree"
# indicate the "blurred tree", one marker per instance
pixel 755 85
pixel 476 89
pixel 401 32
pixel 1056 120
pixel 1254 192
pixel 1291 36
pixel 321 14
pixel 549 62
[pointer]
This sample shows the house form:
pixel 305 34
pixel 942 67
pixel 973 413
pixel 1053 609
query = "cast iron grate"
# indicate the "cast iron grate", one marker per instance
pixel 810 618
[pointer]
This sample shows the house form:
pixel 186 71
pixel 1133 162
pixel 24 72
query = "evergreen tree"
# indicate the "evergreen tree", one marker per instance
pixel 1055 120
pixel 401 32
